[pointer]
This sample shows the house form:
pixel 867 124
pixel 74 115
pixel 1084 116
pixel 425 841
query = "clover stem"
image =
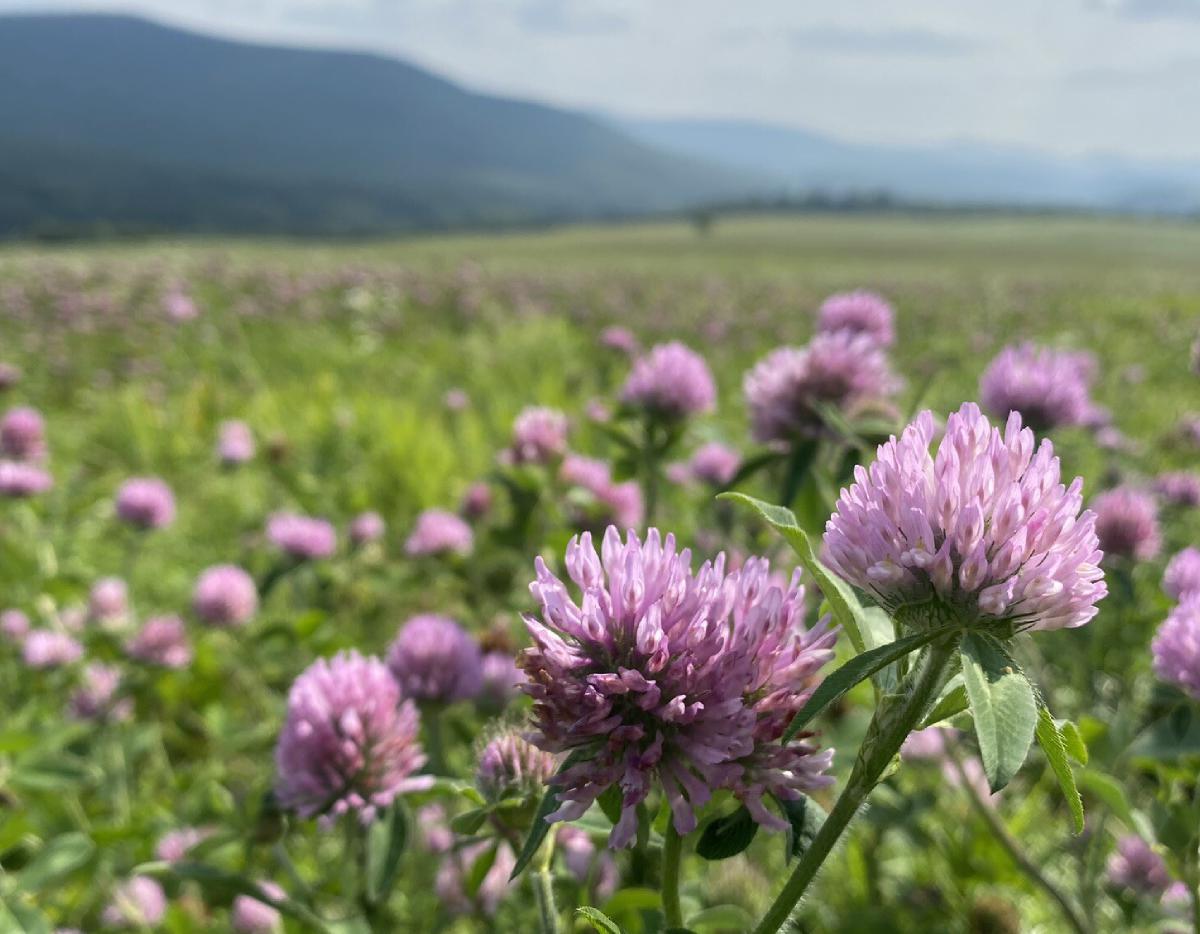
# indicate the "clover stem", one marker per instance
pixel 671 853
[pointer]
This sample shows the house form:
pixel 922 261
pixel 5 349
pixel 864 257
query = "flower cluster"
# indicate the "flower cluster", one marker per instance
pixel 438 532
pixel 367 527
pixel 618 504
pixel 860 312
pixel 1127 523
pixel 1050 388
pixel 539 436
pixel 46 648
pixel 145 503
pixel 235 443
pixel 225 595
pixel 984 529
pixel 301 537
pixel 348 744
pixel 1136 867
pixel 434 659
pixel 161 641
pixel 510 765
pixel 1179 488
pixel 672 381
pixel 23 434
pixel 1176 646
pixel 1182 575
pixel 664 673
pixel 19 480
pixel 786 390
pixel 714 463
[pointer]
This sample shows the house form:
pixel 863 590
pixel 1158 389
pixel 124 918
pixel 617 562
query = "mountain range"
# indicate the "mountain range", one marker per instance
pixel 113 123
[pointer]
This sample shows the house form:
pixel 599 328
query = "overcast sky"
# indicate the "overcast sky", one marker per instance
pixel 1065 75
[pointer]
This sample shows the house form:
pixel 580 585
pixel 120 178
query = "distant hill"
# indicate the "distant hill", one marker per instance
pixel 799 160
pixel 116 122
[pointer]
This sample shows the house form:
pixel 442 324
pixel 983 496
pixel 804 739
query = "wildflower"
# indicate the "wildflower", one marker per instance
pixel 235 443
pixel 859 312
pixel 477 501
pixel 662 673
pixel 715 464
pixel 510 766
pixel 19 480
pixel 620 339
pixel 618 504
pixel 984 529
pixel 439 532
pixel 451 885
pixel 672 382
pixel 14 626
pixel 225 595
pixel 349 744
pixel 786 390
pixel 1127 523
pixel 250 916
pixel 1182 575
pixel 23 434
pixel 145 503
pixel 539 436
pixel 434 659
pixel 174 845
pixel 1179 488
pixel 44 648
pixel 179 306
pixel 1050 388
pixel 1176 646
pixel 161 641
pixel 500 679
pixel 1136 867
pixel 301 537
pixel 367 527
pixel 456 400
pixel 139 902
pixel 96 698
pixel 108 600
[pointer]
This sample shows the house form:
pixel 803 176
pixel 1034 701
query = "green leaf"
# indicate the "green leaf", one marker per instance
pixel 1002 705
pixel 58 858
pixel 859 668
pixel 610 802
pixel 386 840
pixel 1050 738
pixel 633 901
pixel 1168 739
pixel 721 919
pixel 599 920
pixel 1073 741
pixel 953 703
pixel 847 611
pixel 17 916
pixel 479 869
pixel 1110 793
pixel 547 806
pixel 727 836
pixel 468 822
pixel 804 817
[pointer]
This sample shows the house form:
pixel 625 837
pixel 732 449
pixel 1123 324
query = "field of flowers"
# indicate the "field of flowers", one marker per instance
pixel 391 587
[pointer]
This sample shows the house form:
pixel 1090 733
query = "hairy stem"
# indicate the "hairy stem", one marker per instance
pixel 672 850
pixel 895 717
pixel 1013 848
pixel 543 888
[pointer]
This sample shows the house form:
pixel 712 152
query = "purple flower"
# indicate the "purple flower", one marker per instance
pixel 501 679
pixel 44 648
pixel 453 870
pixel 672 381
pixel 539 437
pixel 96 698
pixel 139 902
pixel 300 536
pixel 510 766
pixel 161 641
pixel 23 434
pixel 1135 866
pixel 1127 523
pixel 786 390
pixel 608 503
pixel 108 600
pixel 582 860
pixel 179 306
pixel 174 845
pixel 438 532
pixel 859 312
pixel 715 464
pixel 984 528
pixel 1176 646
pixel 225 595
pixel 235 443
pixel 349 743
pixel 1182 575
pixel 456 400
pixel 477 501
pixel 434 659
pixel 1050 388
pixel 663 674
pixel 929 743
pixel 19 480
pixel 250 916
pixel 367 527
pixel 620 339
pixel 1179 488
pixel 14 626
pixel 145 503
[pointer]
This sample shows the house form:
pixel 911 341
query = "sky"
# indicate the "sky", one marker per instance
pixel 1067 76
